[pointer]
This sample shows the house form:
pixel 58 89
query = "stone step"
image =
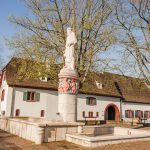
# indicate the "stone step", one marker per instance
pixel 98 130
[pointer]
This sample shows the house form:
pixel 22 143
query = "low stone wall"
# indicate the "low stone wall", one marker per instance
pixel 120 135
pixel 87 142
pixel 27 130
pixel 98 130
pixel 58 133
pixel 128 131
pixel 38 130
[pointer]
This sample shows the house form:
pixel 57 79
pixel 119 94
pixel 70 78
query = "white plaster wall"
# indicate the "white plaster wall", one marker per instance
pixel 5 105
pixel 4 102
pixel 52 105
pixel 29 108
pixel 9 101
pixel 134 106
pixel 48 103
pixel 102 103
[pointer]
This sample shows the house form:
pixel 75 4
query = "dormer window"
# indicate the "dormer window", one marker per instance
pixel 44 79
pixel 147 85
pixel 99 85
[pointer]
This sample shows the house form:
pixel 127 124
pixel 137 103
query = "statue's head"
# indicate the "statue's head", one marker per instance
pixel 69 30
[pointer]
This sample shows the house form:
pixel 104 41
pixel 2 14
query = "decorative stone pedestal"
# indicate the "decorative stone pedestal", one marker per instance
pixel 67 97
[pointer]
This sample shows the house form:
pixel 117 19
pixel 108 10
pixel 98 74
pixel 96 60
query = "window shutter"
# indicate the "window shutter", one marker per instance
pixel 145 114
pixel 25 96
pixel 126 114
pixel 37 97
pixel 87 100
pixel 95 101
pixel 132 114
pixel 141 114
pixel 136 114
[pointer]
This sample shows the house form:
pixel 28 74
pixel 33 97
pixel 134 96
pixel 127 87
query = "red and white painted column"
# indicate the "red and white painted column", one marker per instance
pixel 67 98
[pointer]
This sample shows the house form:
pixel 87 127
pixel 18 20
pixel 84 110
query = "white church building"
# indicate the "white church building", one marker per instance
pixel 103 96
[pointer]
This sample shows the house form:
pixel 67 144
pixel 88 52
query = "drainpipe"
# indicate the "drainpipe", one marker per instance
pixel 12 102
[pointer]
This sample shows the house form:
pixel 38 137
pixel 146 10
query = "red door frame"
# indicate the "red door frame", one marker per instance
pixel 117 114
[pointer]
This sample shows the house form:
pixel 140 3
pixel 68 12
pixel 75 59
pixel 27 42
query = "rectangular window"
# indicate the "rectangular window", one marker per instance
pixel 91 101
pixel 129 113
pixel 91 114
pixel 138 114
pixel 42 113
pixel 17 112
pixel 146 114
pixel 31 96
pixel 83 114
pixel 97 114
pixel 3 95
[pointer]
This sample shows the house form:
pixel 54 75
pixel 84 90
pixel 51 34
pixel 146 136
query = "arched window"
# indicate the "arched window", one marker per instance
pixel 17 113
pixel 42 113
pixel 3 95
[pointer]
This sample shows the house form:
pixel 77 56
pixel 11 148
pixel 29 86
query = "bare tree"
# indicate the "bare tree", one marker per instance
pixel 44 33
pixel 1 59
pixel 133 22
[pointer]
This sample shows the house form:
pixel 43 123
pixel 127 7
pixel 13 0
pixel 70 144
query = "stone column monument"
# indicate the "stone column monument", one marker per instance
pixel 68 90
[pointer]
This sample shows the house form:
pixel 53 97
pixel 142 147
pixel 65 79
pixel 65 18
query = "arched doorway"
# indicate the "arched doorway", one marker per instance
pixel 112 112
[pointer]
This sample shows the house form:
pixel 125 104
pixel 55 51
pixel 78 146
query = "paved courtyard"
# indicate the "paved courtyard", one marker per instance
pixel 12 142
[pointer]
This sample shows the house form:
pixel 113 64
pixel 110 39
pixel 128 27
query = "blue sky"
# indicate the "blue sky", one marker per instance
pixel 8 8
pixel 17 8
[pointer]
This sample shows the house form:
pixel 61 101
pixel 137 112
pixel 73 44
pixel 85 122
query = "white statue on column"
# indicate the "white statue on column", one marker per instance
pixel 70 49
